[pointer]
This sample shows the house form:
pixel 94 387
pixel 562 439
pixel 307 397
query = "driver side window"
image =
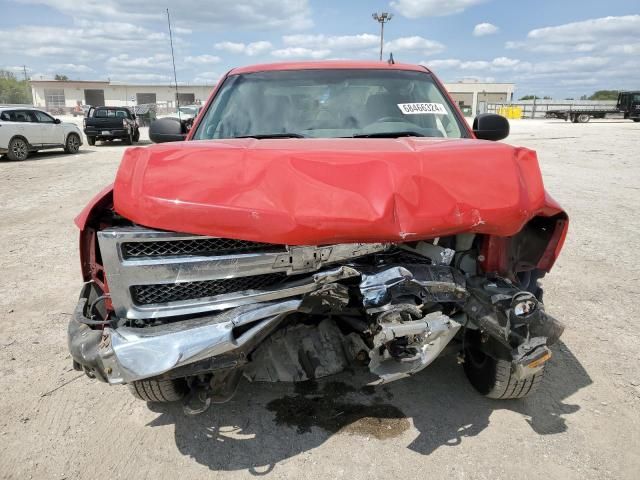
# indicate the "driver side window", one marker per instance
pixel 42 117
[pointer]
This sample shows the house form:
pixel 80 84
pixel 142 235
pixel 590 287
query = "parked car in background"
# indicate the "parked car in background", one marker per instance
pixel 111 123
pixel 24 130
pixel 189 111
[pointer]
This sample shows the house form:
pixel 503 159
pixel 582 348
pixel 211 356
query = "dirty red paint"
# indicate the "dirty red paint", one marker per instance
pixel 319 191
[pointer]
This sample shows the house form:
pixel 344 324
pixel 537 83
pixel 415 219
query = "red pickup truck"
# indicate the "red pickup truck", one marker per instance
pixel 317 217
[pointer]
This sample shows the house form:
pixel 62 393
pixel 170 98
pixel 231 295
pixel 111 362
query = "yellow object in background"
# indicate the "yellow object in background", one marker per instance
pixel 512 113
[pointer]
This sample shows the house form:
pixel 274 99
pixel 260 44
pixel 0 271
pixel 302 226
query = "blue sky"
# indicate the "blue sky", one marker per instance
pixel 560 48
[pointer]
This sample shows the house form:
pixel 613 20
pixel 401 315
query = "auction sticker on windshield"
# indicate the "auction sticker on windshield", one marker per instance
pixel 422 108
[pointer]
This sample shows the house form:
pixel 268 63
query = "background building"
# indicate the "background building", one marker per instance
pixel 58 95
pixel 474 97
pixel 61 95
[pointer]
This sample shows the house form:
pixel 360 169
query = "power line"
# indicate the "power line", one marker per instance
pixel 382 18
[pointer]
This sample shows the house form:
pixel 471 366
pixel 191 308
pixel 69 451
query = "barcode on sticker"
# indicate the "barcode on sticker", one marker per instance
pixel 422 108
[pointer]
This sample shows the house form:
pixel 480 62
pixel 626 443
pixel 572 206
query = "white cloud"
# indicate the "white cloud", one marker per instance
pixel 125 62
pixel 181 30
pixel 193 14
pixel 606 34
pixel 71 67
pixel 202 59
pixel 588 30
pixel 321 46
pixel 86 40
pixel 432 8
pixel 207 78
pixel 504 62
pixel 625 49
pixel 251 49
pixel 16 68
pixel 454 63
pixel 483 29
pixel 340 42
pixel 301 53
pixel 231 47
pixel 415 43
pixel 579 81
pixel 445 64
pixel 139 77
pixel 256 48
pixel 504 65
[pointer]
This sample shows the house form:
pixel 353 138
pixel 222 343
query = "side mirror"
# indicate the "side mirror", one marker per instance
pixel 166 130
pixel 489 126
pixel 57 121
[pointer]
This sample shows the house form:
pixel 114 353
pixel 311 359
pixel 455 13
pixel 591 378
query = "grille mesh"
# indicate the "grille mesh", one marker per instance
pixel 173 292
pixel 200 246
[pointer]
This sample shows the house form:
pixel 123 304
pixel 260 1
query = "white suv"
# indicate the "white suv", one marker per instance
pixel 24 130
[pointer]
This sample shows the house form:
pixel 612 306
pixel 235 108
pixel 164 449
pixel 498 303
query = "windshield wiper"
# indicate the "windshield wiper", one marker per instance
pixel 404 133
pixel 272 135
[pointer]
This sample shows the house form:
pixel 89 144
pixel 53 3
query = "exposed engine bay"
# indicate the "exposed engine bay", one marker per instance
pixel 205 311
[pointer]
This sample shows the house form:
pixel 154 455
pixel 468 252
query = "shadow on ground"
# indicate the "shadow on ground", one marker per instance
pixel 268 423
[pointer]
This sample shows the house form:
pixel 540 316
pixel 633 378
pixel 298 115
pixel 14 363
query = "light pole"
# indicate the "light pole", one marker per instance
pixel 382 18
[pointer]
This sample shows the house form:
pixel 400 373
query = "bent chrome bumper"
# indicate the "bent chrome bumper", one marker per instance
pixel 124 354
pixel 403 338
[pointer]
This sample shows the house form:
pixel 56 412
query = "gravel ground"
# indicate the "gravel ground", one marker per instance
pixel 584 423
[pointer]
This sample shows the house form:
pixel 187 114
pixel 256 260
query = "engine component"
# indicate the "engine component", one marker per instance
pixel 304 352
pixel 404 346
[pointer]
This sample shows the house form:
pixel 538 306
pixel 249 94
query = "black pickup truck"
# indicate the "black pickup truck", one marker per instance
pixel 109 123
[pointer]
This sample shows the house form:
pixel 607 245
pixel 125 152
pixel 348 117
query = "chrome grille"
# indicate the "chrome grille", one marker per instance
pixel 175 292
pixel 193 247
pixel 155 274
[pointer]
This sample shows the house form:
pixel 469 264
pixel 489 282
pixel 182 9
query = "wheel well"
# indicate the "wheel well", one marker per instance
pixel 21 137
pixel 71 133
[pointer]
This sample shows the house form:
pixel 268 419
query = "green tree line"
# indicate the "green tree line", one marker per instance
pixel 13 90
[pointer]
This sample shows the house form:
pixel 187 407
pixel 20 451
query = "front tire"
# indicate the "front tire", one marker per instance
pixel 136 136
pixel 159 391
pixel 493 378
pixel 91 140
pixel 73 143
pixel 18 150
pixel 128 140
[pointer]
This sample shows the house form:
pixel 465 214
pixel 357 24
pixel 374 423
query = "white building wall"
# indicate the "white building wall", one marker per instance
pixel 117 95
pixel 482 92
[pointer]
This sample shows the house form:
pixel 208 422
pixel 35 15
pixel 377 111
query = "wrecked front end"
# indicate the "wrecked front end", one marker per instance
pixel 204 311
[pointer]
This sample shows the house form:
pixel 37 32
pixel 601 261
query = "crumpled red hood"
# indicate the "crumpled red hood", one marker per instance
pixel 319 191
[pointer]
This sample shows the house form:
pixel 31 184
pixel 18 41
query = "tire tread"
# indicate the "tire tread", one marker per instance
pixel 160 391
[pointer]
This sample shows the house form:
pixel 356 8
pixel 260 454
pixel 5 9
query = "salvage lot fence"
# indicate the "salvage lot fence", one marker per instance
pixel 539 108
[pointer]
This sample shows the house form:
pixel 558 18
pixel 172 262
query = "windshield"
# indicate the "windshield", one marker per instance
pixel 111 113
pixel 330 104
pixel 189 110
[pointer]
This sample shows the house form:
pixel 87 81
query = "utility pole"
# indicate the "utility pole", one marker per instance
pixel 175 76
pixel 382 18
pixel 27 88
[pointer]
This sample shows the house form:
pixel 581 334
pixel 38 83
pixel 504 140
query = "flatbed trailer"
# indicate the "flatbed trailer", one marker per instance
pixel 628 106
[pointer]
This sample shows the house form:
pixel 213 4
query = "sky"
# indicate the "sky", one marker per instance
pixel 560 48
